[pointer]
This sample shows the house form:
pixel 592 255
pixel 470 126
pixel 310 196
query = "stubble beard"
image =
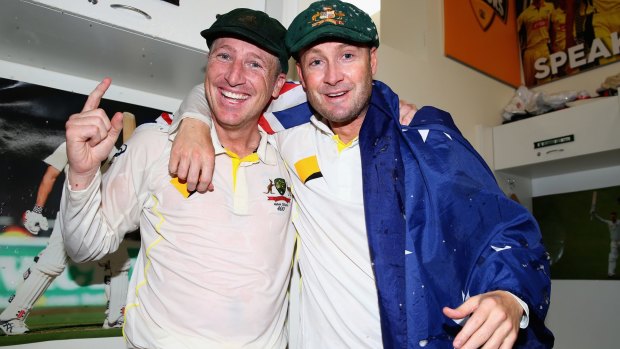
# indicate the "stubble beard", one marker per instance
pixel 340 117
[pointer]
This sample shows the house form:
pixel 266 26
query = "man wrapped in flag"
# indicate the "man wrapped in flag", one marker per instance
pixel 439 242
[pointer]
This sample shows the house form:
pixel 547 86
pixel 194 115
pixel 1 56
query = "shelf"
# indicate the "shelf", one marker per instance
pixel 579 138
pixel 48 40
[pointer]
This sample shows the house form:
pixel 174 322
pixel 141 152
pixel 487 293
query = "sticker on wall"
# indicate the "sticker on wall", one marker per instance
pixel 481 34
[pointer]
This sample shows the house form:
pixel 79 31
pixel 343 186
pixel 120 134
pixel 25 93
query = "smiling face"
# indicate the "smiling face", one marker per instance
pixel 337 77
pixel 240 81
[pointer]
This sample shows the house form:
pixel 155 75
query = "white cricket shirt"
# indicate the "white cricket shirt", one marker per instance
pixel 338 304
pixel 213 268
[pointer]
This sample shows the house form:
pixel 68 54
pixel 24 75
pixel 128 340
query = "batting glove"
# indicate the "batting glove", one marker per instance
pixel 34 222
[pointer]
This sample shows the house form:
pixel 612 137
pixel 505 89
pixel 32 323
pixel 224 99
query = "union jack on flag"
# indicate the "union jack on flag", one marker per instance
pixel 288 110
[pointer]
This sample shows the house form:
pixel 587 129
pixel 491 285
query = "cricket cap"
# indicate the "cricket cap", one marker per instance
pixel 253 26
pixel 331 19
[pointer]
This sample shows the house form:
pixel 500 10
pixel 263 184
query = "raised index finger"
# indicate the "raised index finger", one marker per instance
pixel 94 97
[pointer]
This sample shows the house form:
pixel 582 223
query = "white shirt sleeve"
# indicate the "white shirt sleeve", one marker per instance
pixel 525 319
pixel 94 220
pixel 193 106
pixel 58 159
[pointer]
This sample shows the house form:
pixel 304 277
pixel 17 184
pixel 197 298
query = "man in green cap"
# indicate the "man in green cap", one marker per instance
pixel 213 269
pixel 404 171
pixel 438 243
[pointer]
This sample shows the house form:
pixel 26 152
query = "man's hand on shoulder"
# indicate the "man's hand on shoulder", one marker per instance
pixel 192 157
pixel 493 323
pixel 407 111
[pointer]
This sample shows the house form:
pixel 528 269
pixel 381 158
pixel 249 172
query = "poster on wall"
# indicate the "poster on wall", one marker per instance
pixel 503 38
pixel 481 34
pixel 581 232
pixel 32 122
pixel 559 38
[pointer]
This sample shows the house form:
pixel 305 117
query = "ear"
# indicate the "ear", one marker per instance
pixel 300 73
pixel 373 60
pixel 280 80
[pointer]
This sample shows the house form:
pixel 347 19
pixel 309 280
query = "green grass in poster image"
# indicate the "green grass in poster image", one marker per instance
pixel 47 324
pixel 578 245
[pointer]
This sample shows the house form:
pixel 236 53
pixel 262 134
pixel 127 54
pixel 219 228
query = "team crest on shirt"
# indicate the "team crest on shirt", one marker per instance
pixel 279 192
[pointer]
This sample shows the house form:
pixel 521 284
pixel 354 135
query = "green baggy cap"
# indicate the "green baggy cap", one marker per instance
pixel 330 19
pixel 253 26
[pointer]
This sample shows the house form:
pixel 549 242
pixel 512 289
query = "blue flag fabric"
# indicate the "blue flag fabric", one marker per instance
pixel 440 229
